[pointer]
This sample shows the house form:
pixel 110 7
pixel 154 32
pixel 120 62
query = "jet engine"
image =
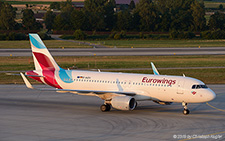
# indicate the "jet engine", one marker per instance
pixel 163 102
pixel 123 103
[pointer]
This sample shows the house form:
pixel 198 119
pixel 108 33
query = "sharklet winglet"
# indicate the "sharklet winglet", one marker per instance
pixel 27 83
pixel 155 71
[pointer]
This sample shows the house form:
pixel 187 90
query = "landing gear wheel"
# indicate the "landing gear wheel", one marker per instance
pixel 108 107
pixel 186 112
pixel 136 105
pixel 105 107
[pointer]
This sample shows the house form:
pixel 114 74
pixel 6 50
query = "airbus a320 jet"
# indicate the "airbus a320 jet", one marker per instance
pixel 118 90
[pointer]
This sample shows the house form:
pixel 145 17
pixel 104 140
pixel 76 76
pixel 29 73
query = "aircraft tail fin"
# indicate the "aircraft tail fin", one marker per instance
pixel 43 60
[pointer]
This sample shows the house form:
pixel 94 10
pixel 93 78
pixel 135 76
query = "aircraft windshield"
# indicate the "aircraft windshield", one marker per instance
pixel 199 87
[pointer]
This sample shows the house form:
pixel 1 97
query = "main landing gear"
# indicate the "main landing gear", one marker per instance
pixel 105 107
pixel 185 111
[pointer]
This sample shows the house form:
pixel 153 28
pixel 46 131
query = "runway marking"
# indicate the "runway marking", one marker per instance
pixel 203 135
pixel 212 133
pixel 215 107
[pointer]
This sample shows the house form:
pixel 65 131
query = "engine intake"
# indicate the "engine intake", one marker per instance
pixel 123 103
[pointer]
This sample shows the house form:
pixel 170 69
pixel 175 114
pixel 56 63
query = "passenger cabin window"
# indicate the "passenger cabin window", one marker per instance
pixel 199 87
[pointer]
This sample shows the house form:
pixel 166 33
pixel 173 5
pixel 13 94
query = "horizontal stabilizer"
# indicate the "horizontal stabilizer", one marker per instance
pixel 35 75
pixel 24 75
pixel 12 73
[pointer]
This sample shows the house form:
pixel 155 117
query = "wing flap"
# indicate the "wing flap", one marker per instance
pixel 91 91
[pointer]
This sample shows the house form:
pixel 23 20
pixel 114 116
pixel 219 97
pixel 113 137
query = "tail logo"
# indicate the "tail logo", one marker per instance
pixel 44 61
pixel 36 41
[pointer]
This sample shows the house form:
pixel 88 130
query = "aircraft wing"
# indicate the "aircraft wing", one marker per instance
pixel 95 91
pixel 28 84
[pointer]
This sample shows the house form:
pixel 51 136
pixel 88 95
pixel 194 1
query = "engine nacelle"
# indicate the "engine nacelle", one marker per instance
pixel 123 103
pixel 163 102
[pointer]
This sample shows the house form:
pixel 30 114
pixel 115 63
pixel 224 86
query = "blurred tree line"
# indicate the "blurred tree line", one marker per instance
pixel 146 16
pixel 8 15
pixel 174 16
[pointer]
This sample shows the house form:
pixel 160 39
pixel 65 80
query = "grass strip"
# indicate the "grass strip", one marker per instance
pixel 209 75
pixel 48 43
pixel 159 43
pixel 213 4
pixel 119 43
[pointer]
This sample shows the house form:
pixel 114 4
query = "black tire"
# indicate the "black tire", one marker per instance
pixel 103 108
pixel 186 112
pixel 136 105
pixel 108 107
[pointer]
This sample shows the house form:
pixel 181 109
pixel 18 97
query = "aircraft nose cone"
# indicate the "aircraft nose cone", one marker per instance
pixel 211 95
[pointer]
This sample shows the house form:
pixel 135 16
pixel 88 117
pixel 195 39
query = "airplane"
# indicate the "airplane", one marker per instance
pixel 118 90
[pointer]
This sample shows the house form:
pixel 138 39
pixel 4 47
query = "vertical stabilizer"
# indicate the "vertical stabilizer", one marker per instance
pixel 43 60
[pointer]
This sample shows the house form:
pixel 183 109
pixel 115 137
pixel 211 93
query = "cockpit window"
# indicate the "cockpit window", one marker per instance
pixel 199 87
pixel 204 86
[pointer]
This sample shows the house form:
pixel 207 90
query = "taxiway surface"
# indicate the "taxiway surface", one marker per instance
pixel 120 51
pixel 37 115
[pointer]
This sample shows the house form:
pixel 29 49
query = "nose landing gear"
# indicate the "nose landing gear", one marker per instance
pixel 185 111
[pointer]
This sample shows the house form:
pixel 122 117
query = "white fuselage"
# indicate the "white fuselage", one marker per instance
pixel 148 87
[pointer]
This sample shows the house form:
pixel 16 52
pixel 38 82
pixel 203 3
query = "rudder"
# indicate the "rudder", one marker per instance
pixel 43 60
